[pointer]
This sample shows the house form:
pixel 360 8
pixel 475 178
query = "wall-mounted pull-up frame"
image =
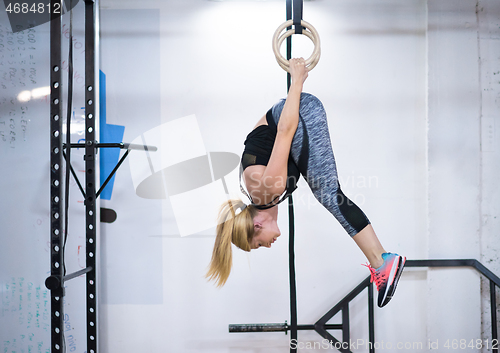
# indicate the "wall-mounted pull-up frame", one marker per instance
pixel 56 281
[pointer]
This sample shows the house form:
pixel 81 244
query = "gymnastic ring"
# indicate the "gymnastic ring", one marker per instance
pixel 311 62
pixel 309 31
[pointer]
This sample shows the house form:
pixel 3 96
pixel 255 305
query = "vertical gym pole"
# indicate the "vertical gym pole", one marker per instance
pixel 56 281
pixel 297 17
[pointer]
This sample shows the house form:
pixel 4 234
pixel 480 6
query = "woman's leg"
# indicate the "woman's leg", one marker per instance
pixel 370 246
pixel 312 152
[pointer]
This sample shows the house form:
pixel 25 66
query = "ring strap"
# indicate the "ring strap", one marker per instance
pixel 297 15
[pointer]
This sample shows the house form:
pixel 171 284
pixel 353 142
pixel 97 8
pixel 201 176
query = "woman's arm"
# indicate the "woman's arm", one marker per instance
pixel 275 174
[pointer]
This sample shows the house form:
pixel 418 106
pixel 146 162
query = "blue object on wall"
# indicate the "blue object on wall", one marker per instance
pixel 109 133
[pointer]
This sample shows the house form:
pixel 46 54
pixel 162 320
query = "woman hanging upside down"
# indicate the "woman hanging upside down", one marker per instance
pixel 292 139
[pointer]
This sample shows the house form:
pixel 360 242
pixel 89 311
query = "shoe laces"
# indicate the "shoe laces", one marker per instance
pixel 375 276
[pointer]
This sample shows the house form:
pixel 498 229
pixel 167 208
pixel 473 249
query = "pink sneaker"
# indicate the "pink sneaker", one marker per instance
pixel 386 277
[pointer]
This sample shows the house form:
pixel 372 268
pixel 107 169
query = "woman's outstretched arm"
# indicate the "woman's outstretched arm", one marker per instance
pixel 275 175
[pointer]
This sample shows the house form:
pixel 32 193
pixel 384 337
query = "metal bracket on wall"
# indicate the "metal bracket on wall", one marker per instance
pixel 121 145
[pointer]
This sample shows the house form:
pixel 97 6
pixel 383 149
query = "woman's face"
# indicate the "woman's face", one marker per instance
pixel 265 235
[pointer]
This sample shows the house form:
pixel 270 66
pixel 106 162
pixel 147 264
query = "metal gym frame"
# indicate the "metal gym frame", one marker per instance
pixel 321 326
pixel 56 281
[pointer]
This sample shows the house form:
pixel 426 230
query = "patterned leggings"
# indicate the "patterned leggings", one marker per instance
pixel 312 152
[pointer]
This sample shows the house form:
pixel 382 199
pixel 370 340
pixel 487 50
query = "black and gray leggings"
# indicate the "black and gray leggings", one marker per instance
pixel 312 152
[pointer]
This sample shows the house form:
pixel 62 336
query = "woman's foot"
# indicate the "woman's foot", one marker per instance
pixel 386 277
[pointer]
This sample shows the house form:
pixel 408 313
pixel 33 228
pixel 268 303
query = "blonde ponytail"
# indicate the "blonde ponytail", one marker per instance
pixel 235 225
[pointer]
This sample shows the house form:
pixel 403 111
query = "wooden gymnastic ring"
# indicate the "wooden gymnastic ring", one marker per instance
pixel 309 31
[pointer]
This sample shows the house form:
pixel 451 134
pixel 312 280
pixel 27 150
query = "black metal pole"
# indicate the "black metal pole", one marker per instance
pixel 493 304
pixel 56 285
pixel 288 43
pixel 346 335
pixel 77 273
pixel 291 225
pixel 371 319
pixel 90 176
pixel 122 145
pixel 293 289
pixel 233 328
